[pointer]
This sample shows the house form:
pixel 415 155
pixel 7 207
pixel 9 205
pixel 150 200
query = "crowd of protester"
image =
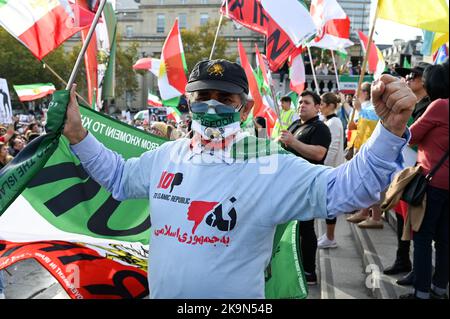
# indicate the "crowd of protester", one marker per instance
pixel 330 117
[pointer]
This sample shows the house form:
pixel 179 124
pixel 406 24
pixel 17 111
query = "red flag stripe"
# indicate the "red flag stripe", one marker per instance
pixel 173 60
pixel 373 55
pixel 37 38
pixel 253 85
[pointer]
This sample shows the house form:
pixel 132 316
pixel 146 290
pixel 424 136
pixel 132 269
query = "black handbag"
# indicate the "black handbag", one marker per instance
pixel 415 191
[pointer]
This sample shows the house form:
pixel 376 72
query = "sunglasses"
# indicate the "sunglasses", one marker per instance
pixel 202 107
pixel 412 76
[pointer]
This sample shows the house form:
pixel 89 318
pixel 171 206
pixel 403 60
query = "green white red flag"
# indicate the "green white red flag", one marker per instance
pixel 43 25
pixel 172 72
pixel 148 64
pixel 333 25
pixel 31 92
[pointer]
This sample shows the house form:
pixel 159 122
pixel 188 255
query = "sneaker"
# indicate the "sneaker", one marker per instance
pixel 371 223
pixel 323 242
pixel 2 295
pixel 356 218
pixel 311 279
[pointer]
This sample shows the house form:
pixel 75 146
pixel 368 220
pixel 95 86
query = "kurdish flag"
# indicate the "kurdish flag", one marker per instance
pixel 42 25
pixel 173 114
pixel 431 15
pixel 172 72
pixel 31 92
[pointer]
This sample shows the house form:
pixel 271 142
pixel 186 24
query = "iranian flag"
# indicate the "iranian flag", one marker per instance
pixel 43 25
pixel 154 100
pixel 172 72
pixel 31 92
pixel 148 64
pixel 376 64
pixel 333 25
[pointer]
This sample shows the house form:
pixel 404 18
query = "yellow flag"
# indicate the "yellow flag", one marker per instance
pixel 429 15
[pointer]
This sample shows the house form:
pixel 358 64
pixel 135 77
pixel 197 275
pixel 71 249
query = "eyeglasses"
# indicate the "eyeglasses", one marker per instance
pixel 202 107
pixel 412 76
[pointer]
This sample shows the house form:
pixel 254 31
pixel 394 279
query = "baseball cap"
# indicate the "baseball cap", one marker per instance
pixel 221 75
pixel 418 69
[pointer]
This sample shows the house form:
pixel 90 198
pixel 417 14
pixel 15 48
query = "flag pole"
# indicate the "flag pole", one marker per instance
pixel 217 35
pixel 336 71
pixel 313 70
pixel 364 66
pixel 218 29
pixel 86 44
pixel 46 66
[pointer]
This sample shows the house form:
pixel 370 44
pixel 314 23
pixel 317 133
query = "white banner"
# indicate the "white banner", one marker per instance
pixel 5 103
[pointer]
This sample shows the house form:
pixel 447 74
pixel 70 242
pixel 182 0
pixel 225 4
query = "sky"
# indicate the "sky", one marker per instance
pixel 387 31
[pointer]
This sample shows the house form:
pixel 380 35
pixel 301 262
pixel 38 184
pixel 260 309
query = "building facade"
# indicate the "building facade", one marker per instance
pixel 147 22
pixel 402 51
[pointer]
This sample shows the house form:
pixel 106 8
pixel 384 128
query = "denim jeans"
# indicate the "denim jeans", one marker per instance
pixel 434 227
pixel 2 282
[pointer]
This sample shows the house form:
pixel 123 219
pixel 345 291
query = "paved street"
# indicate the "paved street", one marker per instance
pixel 349 271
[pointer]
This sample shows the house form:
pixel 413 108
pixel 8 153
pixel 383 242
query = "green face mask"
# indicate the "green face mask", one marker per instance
pixel 213 126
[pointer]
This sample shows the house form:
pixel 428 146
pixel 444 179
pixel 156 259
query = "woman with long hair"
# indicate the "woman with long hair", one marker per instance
pixel 430 134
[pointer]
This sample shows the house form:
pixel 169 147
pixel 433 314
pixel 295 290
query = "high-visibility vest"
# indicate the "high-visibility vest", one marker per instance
pixel 283 123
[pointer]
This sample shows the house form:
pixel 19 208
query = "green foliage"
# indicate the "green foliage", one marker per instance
pixel 18 66
pixel 198 43
pixel 125 76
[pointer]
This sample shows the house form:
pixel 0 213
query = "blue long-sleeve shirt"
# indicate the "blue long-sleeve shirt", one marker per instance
pixel 213 218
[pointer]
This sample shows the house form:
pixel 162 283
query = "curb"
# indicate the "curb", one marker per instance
pixel 383 289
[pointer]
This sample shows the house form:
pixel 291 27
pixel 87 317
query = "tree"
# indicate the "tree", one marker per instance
pixel 125 76
pixel 18 66
pixel 198 44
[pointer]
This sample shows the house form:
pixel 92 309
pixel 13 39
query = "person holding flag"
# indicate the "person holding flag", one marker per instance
pixel 212 229
pixel 287 116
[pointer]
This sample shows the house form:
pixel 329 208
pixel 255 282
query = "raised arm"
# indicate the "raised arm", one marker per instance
pixel 124 179
pixel 358 183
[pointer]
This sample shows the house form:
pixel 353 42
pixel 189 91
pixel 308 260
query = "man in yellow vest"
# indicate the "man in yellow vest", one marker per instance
pixel 287 116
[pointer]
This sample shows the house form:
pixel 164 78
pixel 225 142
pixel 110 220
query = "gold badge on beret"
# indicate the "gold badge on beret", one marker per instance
pixel 216 69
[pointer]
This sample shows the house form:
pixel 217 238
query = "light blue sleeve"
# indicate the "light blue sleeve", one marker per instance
pixel 123 179
pixel 303 191
pixel 358 183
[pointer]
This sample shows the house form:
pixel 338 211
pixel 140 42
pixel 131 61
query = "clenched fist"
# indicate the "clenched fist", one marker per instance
pixel 394 103
pixel 73 129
